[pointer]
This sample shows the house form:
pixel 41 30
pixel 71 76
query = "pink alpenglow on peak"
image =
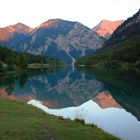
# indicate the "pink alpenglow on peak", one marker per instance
pixel 19 27
pixel 105 28
pixel 7 32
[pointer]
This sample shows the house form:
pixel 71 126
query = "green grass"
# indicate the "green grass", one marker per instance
pixel 19 121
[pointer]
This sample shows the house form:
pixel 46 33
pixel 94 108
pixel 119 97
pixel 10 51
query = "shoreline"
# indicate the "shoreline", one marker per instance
pixel 61 127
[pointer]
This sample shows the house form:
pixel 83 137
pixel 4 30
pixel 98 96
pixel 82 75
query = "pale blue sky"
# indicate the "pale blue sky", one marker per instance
pixel 88 12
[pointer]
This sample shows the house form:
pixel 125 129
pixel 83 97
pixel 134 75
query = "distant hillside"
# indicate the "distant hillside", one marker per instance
pixel 64 40
pixel 105 28
pixel 121 50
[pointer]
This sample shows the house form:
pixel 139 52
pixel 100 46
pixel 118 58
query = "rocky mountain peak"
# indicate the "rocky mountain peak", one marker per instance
pixel 19 27
pixel 105 28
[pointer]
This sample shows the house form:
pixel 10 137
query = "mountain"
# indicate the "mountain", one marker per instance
pixel 105 28
pixel 7 32
pixel 14 34
pixel 19 28
pixel 57 38
pixel 122 50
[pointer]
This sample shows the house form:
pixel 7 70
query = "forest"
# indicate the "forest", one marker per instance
pixel 124 55
pixel 16 61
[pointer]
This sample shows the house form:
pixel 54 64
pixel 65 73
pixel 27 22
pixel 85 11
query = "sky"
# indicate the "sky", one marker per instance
pixel 88 12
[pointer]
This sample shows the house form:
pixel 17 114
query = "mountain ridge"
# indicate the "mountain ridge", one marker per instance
pixel 61 39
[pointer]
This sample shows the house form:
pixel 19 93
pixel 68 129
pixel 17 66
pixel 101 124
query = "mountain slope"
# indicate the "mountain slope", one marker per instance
pixel 130 28
pixel 4 34
pixel 57 38
pixel 14 34
pixel 105 28
pixel 122 49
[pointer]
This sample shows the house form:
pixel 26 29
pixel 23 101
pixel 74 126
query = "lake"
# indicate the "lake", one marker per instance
pixel 108 99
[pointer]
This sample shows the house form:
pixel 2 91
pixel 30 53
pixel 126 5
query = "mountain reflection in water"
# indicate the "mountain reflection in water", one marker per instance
pixel 105 113
pixel 111 101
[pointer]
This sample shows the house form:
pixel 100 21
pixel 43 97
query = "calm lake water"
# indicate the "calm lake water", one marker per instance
pixel 111 100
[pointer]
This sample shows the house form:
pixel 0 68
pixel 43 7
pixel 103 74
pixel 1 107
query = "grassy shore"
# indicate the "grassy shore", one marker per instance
pixel 40 66
pixel 19 121
pixel 37 66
